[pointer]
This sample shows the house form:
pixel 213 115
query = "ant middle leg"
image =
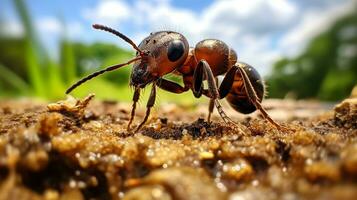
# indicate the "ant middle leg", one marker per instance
pixel 227 82
pixel 210 110
pixel 211 105
pixel 203 71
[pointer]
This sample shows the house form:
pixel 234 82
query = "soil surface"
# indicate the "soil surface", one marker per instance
pixel 71 150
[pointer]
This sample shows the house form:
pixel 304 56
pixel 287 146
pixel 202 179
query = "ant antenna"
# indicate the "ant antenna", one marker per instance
pixel 117 33
pixel 97 73
pixel 111 68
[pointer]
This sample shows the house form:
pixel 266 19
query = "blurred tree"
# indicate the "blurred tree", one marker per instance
pixel 12 52
pixel 327 69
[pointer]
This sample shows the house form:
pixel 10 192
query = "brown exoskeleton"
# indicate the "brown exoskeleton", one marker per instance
pixel 166 52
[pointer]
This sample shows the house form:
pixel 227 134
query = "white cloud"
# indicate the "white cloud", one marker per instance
pixel 49 25
pixel 75 29
pixel 260 31
pixel 154 16
pixel 108 11
pixel 253 17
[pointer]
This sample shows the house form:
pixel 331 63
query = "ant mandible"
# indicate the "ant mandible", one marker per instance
pixel 167 52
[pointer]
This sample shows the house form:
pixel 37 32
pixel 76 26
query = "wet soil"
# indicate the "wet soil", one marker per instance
pixel 71 150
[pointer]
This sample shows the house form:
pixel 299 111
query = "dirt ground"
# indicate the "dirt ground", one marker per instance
pixel 68 150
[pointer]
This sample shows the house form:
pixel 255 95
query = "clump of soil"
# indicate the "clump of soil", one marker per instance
pixel 72 150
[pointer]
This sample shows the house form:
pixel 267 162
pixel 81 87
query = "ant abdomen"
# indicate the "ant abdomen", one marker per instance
pixel 238 97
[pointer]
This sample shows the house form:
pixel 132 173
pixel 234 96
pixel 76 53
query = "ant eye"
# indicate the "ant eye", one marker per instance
pixel 175 50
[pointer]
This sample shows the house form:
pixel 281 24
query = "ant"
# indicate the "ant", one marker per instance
pixel 167 52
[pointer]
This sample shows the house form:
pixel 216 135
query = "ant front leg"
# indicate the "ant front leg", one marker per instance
pixel 203 70
pixel 149 105
pixel 135 100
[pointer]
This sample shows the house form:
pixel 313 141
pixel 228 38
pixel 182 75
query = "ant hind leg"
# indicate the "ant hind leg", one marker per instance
pixel 252 95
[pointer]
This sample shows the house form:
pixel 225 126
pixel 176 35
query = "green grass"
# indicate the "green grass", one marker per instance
pixel 13 80
pixel 32 47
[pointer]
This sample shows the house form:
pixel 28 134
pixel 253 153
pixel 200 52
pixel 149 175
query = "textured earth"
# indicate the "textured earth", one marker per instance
pixel 80 149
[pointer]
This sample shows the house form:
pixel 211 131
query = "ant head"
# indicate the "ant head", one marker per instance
pixel 164 52
pixel 157 55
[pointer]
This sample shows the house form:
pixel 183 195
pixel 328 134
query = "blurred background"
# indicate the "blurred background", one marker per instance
pixel 305 49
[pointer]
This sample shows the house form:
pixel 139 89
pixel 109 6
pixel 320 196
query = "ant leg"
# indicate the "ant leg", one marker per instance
pixel 135 100
pixel 149 105
pixel 171 86
pixel 203 66
pixel 227 82
pixel 252 95
pixel 210 110
pixel 198 80
pixel 211 105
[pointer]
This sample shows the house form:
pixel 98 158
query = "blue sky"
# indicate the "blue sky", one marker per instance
pixel 260 31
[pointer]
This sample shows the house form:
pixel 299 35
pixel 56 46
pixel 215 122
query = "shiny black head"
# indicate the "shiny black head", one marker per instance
pixel 165 51
pixel 241 102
